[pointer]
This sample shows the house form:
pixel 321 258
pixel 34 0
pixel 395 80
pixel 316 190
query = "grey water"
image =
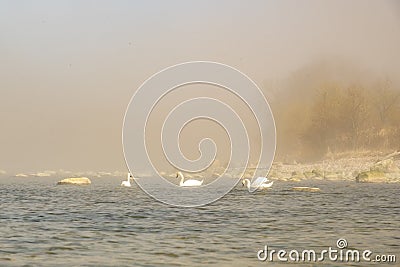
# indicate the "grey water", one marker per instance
pixel 104 224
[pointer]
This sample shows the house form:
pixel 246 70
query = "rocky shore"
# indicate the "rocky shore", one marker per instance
pixel 358 167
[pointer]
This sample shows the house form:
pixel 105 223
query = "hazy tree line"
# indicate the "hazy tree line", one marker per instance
pixel 320 117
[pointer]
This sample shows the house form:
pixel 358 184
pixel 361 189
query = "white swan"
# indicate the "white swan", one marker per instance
pixel 127 183
pixel 188 182
pixel 259 183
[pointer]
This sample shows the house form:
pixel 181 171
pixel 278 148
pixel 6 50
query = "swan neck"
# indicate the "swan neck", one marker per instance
pixel 182 178
pixel 247 181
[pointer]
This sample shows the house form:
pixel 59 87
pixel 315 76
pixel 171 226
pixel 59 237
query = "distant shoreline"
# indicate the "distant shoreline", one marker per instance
pixel 365 166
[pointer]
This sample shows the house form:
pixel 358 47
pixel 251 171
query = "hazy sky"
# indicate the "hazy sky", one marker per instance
pixel 69 68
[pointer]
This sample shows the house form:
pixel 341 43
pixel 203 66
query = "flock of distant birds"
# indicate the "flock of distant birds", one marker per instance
pixel 259 183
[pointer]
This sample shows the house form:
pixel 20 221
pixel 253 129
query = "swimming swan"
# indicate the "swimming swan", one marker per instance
pixel 259 183
pixel 188 182
pixel 127 183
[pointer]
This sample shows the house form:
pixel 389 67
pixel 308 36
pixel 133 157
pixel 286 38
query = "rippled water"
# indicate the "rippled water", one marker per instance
pixel 103 224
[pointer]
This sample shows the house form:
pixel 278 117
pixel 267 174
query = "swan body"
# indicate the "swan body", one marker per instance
pixel 190 182
pixel 259 183
pixel 127 183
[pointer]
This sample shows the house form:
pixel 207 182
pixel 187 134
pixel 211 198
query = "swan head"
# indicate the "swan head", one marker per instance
pixel 244 181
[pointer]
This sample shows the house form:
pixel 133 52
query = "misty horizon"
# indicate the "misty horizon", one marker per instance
pixel 69 69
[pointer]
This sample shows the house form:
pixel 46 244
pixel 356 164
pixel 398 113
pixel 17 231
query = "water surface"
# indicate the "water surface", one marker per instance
pixel 103 224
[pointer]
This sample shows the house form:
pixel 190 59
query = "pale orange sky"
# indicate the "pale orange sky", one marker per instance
pixel 69 68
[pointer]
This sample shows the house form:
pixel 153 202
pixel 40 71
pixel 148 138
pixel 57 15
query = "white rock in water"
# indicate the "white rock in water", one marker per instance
pixel 77 181
pixel 41 174
pixel 306 189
